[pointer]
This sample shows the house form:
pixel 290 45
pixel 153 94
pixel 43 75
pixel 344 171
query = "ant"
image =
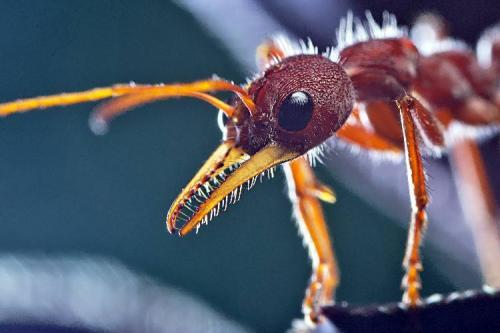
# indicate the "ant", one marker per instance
pixel 380 89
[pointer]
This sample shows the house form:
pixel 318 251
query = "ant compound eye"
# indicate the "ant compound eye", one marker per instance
pixel 295 111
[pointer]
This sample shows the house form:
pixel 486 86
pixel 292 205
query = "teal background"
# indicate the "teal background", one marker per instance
pixel 65 191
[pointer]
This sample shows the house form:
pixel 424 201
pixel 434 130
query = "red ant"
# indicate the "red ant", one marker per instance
pixel 377 90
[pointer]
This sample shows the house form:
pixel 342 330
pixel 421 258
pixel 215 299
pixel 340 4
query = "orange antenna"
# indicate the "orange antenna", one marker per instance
pixel 131 96
pixel 105 112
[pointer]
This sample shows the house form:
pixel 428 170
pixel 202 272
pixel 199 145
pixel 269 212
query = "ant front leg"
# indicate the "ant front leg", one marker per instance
pixel 304 191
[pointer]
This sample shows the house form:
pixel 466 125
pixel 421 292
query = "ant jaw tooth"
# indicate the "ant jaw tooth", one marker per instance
pixel 191 203
pixel 240 190
pixel 214 187
pixel 203 195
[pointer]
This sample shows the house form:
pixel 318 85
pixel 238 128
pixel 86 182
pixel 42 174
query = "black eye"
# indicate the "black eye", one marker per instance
pixel 295 111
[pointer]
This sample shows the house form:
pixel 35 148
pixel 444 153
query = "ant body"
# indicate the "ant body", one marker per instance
pixel 378 90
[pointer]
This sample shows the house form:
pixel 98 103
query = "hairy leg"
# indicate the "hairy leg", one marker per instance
pixel 305 192
pixel 411 124
pixel 478 206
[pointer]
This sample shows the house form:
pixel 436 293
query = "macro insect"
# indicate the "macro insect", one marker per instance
pixel 377 90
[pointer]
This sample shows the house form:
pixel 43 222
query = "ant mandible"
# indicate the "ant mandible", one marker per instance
pixel 377 89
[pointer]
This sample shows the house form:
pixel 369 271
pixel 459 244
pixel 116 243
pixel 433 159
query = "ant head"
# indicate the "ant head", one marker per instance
pixel 299 103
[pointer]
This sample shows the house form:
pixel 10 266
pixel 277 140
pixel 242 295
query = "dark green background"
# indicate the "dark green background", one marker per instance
pixel 65 191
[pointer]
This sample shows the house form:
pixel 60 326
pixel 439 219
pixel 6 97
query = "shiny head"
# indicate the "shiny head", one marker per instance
pixel 300 102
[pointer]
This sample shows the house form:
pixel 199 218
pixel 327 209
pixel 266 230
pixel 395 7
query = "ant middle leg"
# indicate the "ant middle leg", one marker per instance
pixel 417 124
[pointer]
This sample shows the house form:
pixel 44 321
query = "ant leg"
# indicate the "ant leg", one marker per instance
pixel 419 199
pixel 479 207
pixel 359 136
pixel 266 52
pixel 477 111
pixel 304 191
pixel 354 132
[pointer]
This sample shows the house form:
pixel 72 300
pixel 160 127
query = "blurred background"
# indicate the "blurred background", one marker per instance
pixel 67 193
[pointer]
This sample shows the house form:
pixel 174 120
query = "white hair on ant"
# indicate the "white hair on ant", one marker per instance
pixel 457 131
pixel 447 44
pixel 428 43
pixel 353 30
pixel 316 154
pixel 302 229
pixel 484 46
pixel 291 47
